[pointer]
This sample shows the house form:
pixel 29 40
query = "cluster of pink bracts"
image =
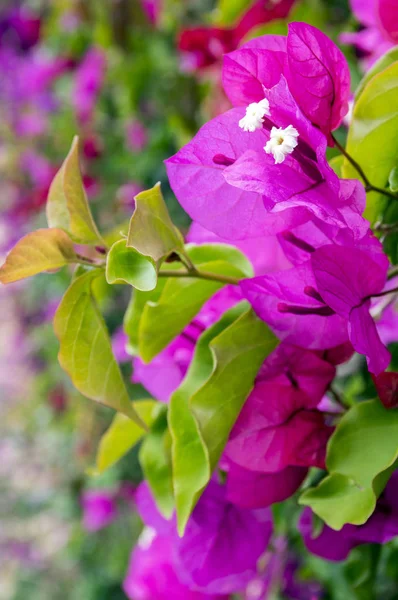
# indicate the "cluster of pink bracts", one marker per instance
pixel 257 177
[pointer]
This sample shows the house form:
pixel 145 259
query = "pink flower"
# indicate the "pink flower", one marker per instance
pixel 380 32
pixel 228 180
pixel 136 136
pixel 256 489
pixel 325 299
pixel 202 47
pixel 217 555
pixel 152 9
pixel 278 427
pixel 316 72
pixel 99 509
pixel 89 79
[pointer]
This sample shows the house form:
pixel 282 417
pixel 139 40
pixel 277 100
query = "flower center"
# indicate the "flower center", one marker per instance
pixel 254 117
pixel 282 142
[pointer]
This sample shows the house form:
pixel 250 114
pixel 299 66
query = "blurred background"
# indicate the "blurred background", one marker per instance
pixel 135 79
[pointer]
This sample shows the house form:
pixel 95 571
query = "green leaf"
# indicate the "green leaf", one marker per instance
pixel 42 250
pixel 123 434
pixel 182 298
pixel 360 456
pixel 67 205
pixel 393 179
pixel 85 349
pixel 228 12
pixel 390 239
pixel 151 231
pixel 337 164
pixel 126 265
pixel 155 459
pixel 238 353
pixel 383 63
pixel 134 311
pixel 372 139
pixel 204 408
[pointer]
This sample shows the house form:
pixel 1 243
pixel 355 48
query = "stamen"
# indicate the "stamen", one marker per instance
pixel 290 237
pixel 221 159
pixel 312 293
pixel 321 311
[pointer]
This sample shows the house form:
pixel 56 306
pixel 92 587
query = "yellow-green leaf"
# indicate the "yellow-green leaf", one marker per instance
pixel 182 298
pixel 204 408
pixel 360 457
pixel 42 250
pixel 126 265
pixel 385 61
pixel 67 205
pixel 372 139
pixel 151 230
pixel 155 459
pixel 85 349
pixel 123 434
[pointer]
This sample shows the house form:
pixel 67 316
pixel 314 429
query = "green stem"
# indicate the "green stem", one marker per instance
pixel 184 258
pixel 369 187
pixel 196 274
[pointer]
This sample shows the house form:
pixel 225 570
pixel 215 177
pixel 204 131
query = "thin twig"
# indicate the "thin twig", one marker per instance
pixel 226 279
pixel 369 187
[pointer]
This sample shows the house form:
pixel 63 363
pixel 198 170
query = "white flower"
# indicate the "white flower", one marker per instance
pixel 146 538
pixel 254 117
pixel 282 142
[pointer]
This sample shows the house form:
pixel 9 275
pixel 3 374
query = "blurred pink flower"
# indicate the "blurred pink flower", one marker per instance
pixel 379 34
pixel 136 136
pixel 89 79
pixel 99 509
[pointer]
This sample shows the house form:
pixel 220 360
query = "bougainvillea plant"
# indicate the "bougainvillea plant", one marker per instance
pixel 237 332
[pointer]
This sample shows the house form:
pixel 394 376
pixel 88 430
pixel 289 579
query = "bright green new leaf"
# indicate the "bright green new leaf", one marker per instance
pixel 191 463
pixel 393 179
pixel 151 231
pixel 126 265
pixel 85 349
pixel 42 250
pixel 359 458
pixel 385 61
pixel 155 459
pixel 372 139
pixel 238 352
pixel 123 434
pixel 182 298
pixel 134 311
pixel 67 205
pixel 204 408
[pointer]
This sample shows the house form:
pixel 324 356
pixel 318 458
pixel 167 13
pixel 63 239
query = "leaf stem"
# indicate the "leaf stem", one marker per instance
pixel 369 187
pixel 184 258
pixel 196 273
